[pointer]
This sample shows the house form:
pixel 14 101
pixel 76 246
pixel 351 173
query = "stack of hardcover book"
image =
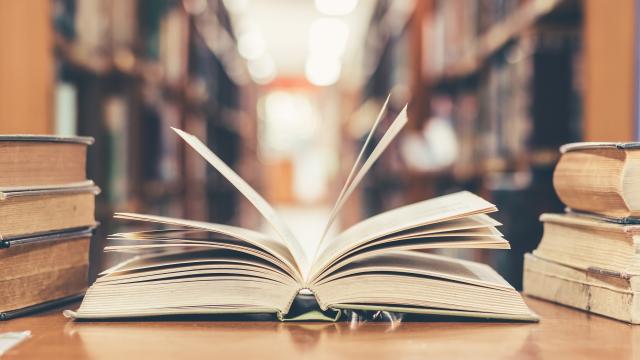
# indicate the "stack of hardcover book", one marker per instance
pixel 46 221
pixel 589 257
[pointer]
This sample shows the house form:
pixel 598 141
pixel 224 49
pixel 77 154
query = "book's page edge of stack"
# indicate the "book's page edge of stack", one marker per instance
pixel 577 146
pixel 531 287
pixel 69 188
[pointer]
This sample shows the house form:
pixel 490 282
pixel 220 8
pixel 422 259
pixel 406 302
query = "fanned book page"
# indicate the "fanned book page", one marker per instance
pixel 381 263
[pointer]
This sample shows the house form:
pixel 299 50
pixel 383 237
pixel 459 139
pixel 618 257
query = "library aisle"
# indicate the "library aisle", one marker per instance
pixel 285 94
pixel 288 94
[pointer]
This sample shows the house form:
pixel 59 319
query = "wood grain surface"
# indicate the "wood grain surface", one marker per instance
pixel 562 333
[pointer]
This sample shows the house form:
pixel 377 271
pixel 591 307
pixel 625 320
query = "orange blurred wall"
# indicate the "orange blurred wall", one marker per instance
pixel 26 67
pixel 609 70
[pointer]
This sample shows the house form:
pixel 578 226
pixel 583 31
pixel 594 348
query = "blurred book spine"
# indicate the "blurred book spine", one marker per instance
pixel 509 76
pixel 127 71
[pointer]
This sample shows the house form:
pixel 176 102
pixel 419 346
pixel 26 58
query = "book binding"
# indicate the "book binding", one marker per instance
pixel 11 314
pixel 48 138
pixel 599 145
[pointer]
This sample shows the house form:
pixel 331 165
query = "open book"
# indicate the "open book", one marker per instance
pixel 381 263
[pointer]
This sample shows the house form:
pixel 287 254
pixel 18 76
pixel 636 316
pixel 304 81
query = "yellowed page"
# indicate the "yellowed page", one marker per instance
pixel 471 229
pixel 397 125
pixel 275 247
pixel 422 213
pixel 469 222
pixel 413 262
pixel 336 208
pixel 180 248
pixel 182 264
pixel 425 244
pixel 171 260
pixel 258 201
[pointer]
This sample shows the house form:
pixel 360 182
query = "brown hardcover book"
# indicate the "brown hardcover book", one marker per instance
pixel 37 211
pixel 42 269
pixel 601 178
pixel 594 291
pixel 37 161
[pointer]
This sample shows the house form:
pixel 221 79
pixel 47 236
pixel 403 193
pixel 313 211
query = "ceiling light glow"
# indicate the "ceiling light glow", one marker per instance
pixel 336 7
pixel 251 45
pixel 328 36
pixel 236 6
pixel 322 70
pixel 262 70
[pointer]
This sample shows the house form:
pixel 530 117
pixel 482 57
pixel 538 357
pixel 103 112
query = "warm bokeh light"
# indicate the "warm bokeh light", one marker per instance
pixel 327 42
pixel 251 45
pixel 289 119
pixel 236 6
pixel 262 70
pixel 322 71
pixel 328 37
pixel 336 7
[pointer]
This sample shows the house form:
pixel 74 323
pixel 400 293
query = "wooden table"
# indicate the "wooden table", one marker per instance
pixel 563 333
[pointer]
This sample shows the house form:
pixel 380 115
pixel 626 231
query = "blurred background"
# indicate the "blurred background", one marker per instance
pixel 285 91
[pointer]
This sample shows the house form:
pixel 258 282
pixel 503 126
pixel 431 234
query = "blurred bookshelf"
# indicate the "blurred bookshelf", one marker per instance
pixel 128 71
pixel 513 78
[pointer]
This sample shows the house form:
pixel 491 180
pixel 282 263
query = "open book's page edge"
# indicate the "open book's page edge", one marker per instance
pixel 319 316
pixel 529 317
pixel 75 315
pixel 470 272
pixel 395 128
pixel 333 268
pixel 352 173
pixel 229 230
pixel 247 235
pixel 346 241
pixel 250 194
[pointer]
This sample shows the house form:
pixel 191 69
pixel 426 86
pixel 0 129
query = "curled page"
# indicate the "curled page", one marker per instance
pixel 275 247
pixel 336 208
pixel 258 201
pixel 397 125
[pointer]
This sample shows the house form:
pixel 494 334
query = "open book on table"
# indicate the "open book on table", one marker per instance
pixel 381 263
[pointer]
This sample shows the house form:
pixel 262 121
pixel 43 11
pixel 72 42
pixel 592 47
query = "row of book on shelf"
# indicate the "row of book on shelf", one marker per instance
pixel 456 26
pixel 126 80
pixel 525 101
